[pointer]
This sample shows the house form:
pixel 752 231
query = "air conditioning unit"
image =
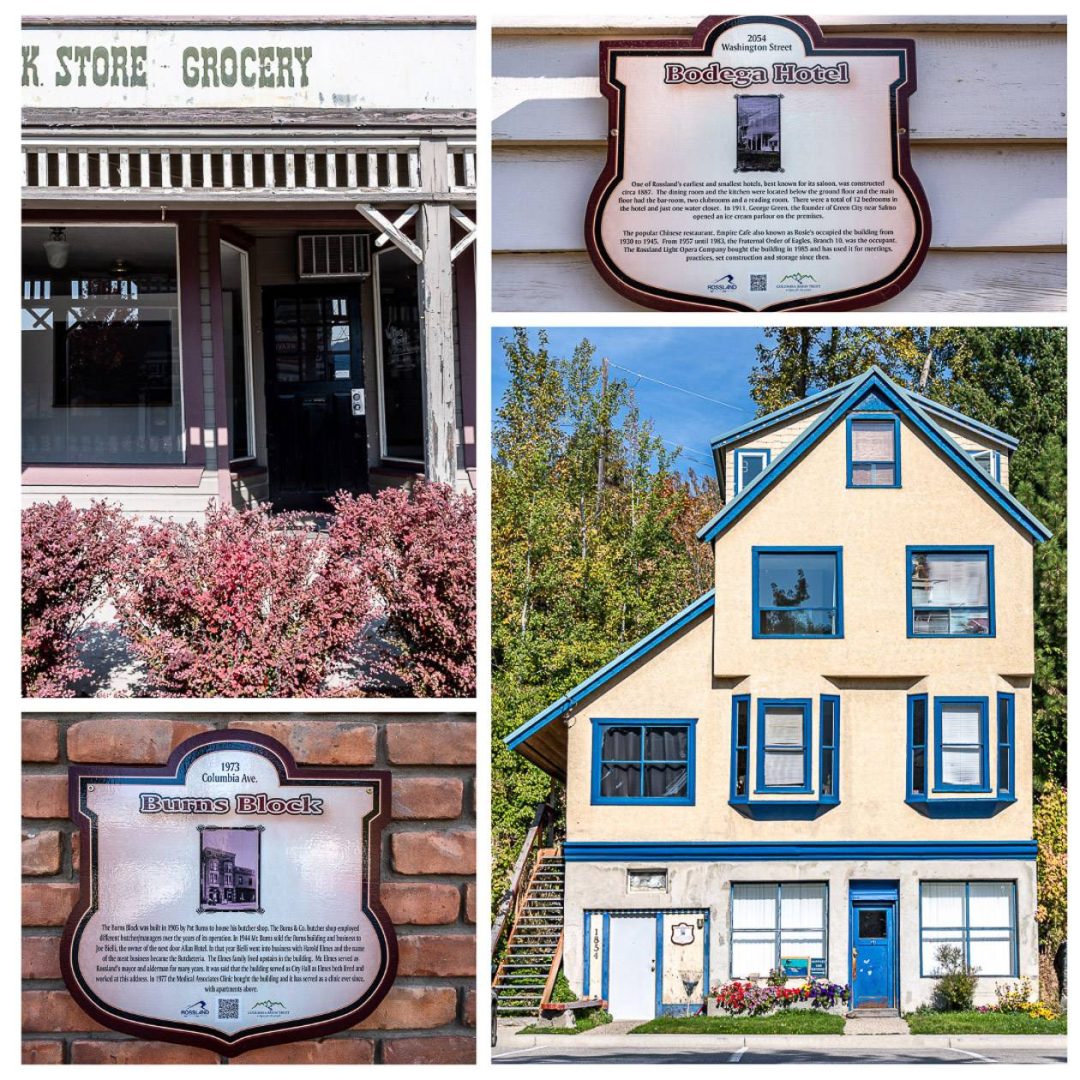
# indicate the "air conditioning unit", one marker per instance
pixel 335 255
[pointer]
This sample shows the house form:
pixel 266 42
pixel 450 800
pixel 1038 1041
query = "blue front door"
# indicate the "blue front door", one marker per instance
pixel 873 955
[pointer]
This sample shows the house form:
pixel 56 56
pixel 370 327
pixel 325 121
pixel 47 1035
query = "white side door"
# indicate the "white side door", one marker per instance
pixel 632 967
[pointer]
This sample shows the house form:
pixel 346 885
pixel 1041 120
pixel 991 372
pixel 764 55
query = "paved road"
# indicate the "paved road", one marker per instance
pixel 669 1053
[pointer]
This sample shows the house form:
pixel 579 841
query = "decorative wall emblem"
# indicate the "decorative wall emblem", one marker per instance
pixel 230 899
pixel 682 933
pixel 758 166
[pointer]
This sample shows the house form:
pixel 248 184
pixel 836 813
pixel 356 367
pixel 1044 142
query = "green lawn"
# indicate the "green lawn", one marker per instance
pixel 789 1022
pixel 592 1019
pixel 977 1023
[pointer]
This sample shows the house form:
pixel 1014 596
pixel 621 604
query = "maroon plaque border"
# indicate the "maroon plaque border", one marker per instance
pixel 290 772
pixel 700 44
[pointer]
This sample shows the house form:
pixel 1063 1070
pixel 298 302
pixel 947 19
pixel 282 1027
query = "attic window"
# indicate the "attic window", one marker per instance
pixel 749 465
pixel 989 461
pixel 873 451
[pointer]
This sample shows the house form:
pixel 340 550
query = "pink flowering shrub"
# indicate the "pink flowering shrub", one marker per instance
pixel 418 553
pixel 747 999
pixel 241 605
pixel 68 556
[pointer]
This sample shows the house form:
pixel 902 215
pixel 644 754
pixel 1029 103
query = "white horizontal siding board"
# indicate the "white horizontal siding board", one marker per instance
pixel 988 86
pixel 1002 196
pixel 948 281
pixel 668 24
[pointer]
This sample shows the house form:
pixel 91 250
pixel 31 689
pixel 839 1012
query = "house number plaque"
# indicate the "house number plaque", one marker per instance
pixel 230 899
pixel 758 166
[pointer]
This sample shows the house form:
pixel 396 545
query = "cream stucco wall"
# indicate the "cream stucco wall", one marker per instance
pixel 872 669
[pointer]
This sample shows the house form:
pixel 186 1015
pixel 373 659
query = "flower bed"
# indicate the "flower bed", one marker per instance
pixel 739 998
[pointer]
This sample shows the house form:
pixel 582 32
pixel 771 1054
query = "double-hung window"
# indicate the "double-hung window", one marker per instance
pixel 643 761
pixel 783 763
pixel 798 592
pixel 749 465
pixel 976 917
pixel 950 592
pixel 873 450
pixel 772 922
pixel 961 753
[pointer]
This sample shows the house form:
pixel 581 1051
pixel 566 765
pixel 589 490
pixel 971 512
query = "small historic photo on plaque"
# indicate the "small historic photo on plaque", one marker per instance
pixel 758 124
pixel 229 869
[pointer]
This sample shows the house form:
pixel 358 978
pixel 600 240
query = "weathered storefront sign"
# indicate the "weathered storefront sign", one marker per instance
pixel 758 167
pixel 222 66
pixel 230 899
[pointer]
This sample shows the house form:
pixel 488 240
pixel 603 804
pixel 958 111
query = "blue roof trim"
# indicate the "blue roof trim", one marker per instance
pixel 822 397
pixel 704 851
pixel 688 614
pixel 875 378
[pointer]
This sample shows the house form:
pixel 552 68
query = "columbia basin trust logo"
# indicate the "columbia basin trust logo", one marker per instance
pixel 196 1008
pixel 798 282
pixel 268 1007
pixel 723 284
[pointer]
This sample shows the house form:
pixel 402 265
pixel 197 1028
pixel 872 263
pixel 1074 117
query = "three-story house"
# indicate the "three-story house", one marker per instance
pixel 823 765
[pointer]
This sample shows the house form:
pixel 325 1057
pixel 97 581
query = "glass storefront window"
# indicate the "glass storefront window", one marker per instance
pixel 101 348
pixel 399 357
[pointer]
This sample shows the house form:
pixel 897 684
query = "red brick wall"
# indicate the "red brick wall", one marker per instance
pixel 428 880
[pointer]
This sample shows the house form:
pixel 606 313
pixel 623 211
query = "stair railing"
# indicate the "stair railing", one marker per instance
pixel 537 839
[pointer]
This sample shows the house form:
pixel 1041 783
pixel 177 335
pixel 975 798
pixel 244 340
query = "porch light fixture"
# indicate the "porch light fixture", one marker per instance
pixel 57 248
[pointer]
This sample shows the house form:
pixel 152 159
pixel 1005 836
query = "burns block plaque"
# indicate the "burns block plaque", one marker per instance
pixel 229 900
pixel 758 166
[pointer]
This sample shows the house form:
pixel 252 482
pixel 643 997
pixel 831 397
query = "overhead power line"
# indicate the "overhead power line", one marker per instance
pixel 682 389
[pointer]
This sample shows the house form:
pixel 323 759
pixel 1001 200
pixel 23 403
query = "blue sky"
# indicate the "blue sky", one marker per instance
pixel 710 361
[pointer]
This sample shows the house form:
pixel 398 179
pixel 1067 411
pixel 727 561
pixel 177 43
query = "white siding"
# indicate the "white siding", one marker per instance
pixel 988 142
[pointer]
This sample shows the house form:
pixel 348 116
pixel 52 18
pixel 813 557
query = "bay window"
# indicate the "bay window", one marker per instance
pixel 950 592
pixel 101 346
pixel 783 763
pixel 961 752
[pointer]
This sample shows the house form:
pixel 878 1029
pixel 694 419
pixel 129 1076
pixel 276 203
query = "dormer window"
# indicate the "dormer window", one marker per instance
pixel 873 450
pixel 989 461
pixel 749 465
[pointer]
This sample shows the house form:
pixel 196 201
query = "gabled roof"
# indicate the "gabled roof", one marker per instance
pixel 823 397
pixel 523 738
pixel 910 406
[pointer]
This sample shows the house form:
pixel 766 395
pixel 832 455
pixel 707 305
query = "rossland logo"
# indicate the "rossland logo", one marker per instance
pixel 723 284
pixel 196 1008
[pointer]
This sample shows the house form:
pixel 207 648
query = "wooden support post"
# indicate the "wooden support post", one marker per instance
pixel 436 284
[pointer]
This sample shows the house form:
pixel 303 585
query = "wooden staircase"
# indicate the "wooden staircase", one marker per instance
pixel 533 950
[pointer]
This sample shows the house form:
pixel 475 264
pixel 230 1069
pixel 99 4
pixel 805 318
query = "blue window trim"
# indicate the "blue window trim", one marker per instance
pixel 965 930
pixel 894 464
pixel 833 745
pixel 912 746
pixel 756 552
pixel 984 743
pixel 995 461
pixel 737 701
pixel 966 549
pixel 807 786
pixel 643 800
pixel 749 451
pixel 778 888
pixel 1008 744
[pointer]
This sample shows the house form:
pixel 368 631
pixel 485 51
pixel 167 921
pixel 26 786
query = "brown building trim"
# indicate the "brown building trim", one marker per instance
pixel 248 118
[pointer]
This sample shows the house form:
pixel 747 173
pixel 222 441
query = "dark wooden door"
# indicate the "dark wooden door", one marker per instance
pixel 315 443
